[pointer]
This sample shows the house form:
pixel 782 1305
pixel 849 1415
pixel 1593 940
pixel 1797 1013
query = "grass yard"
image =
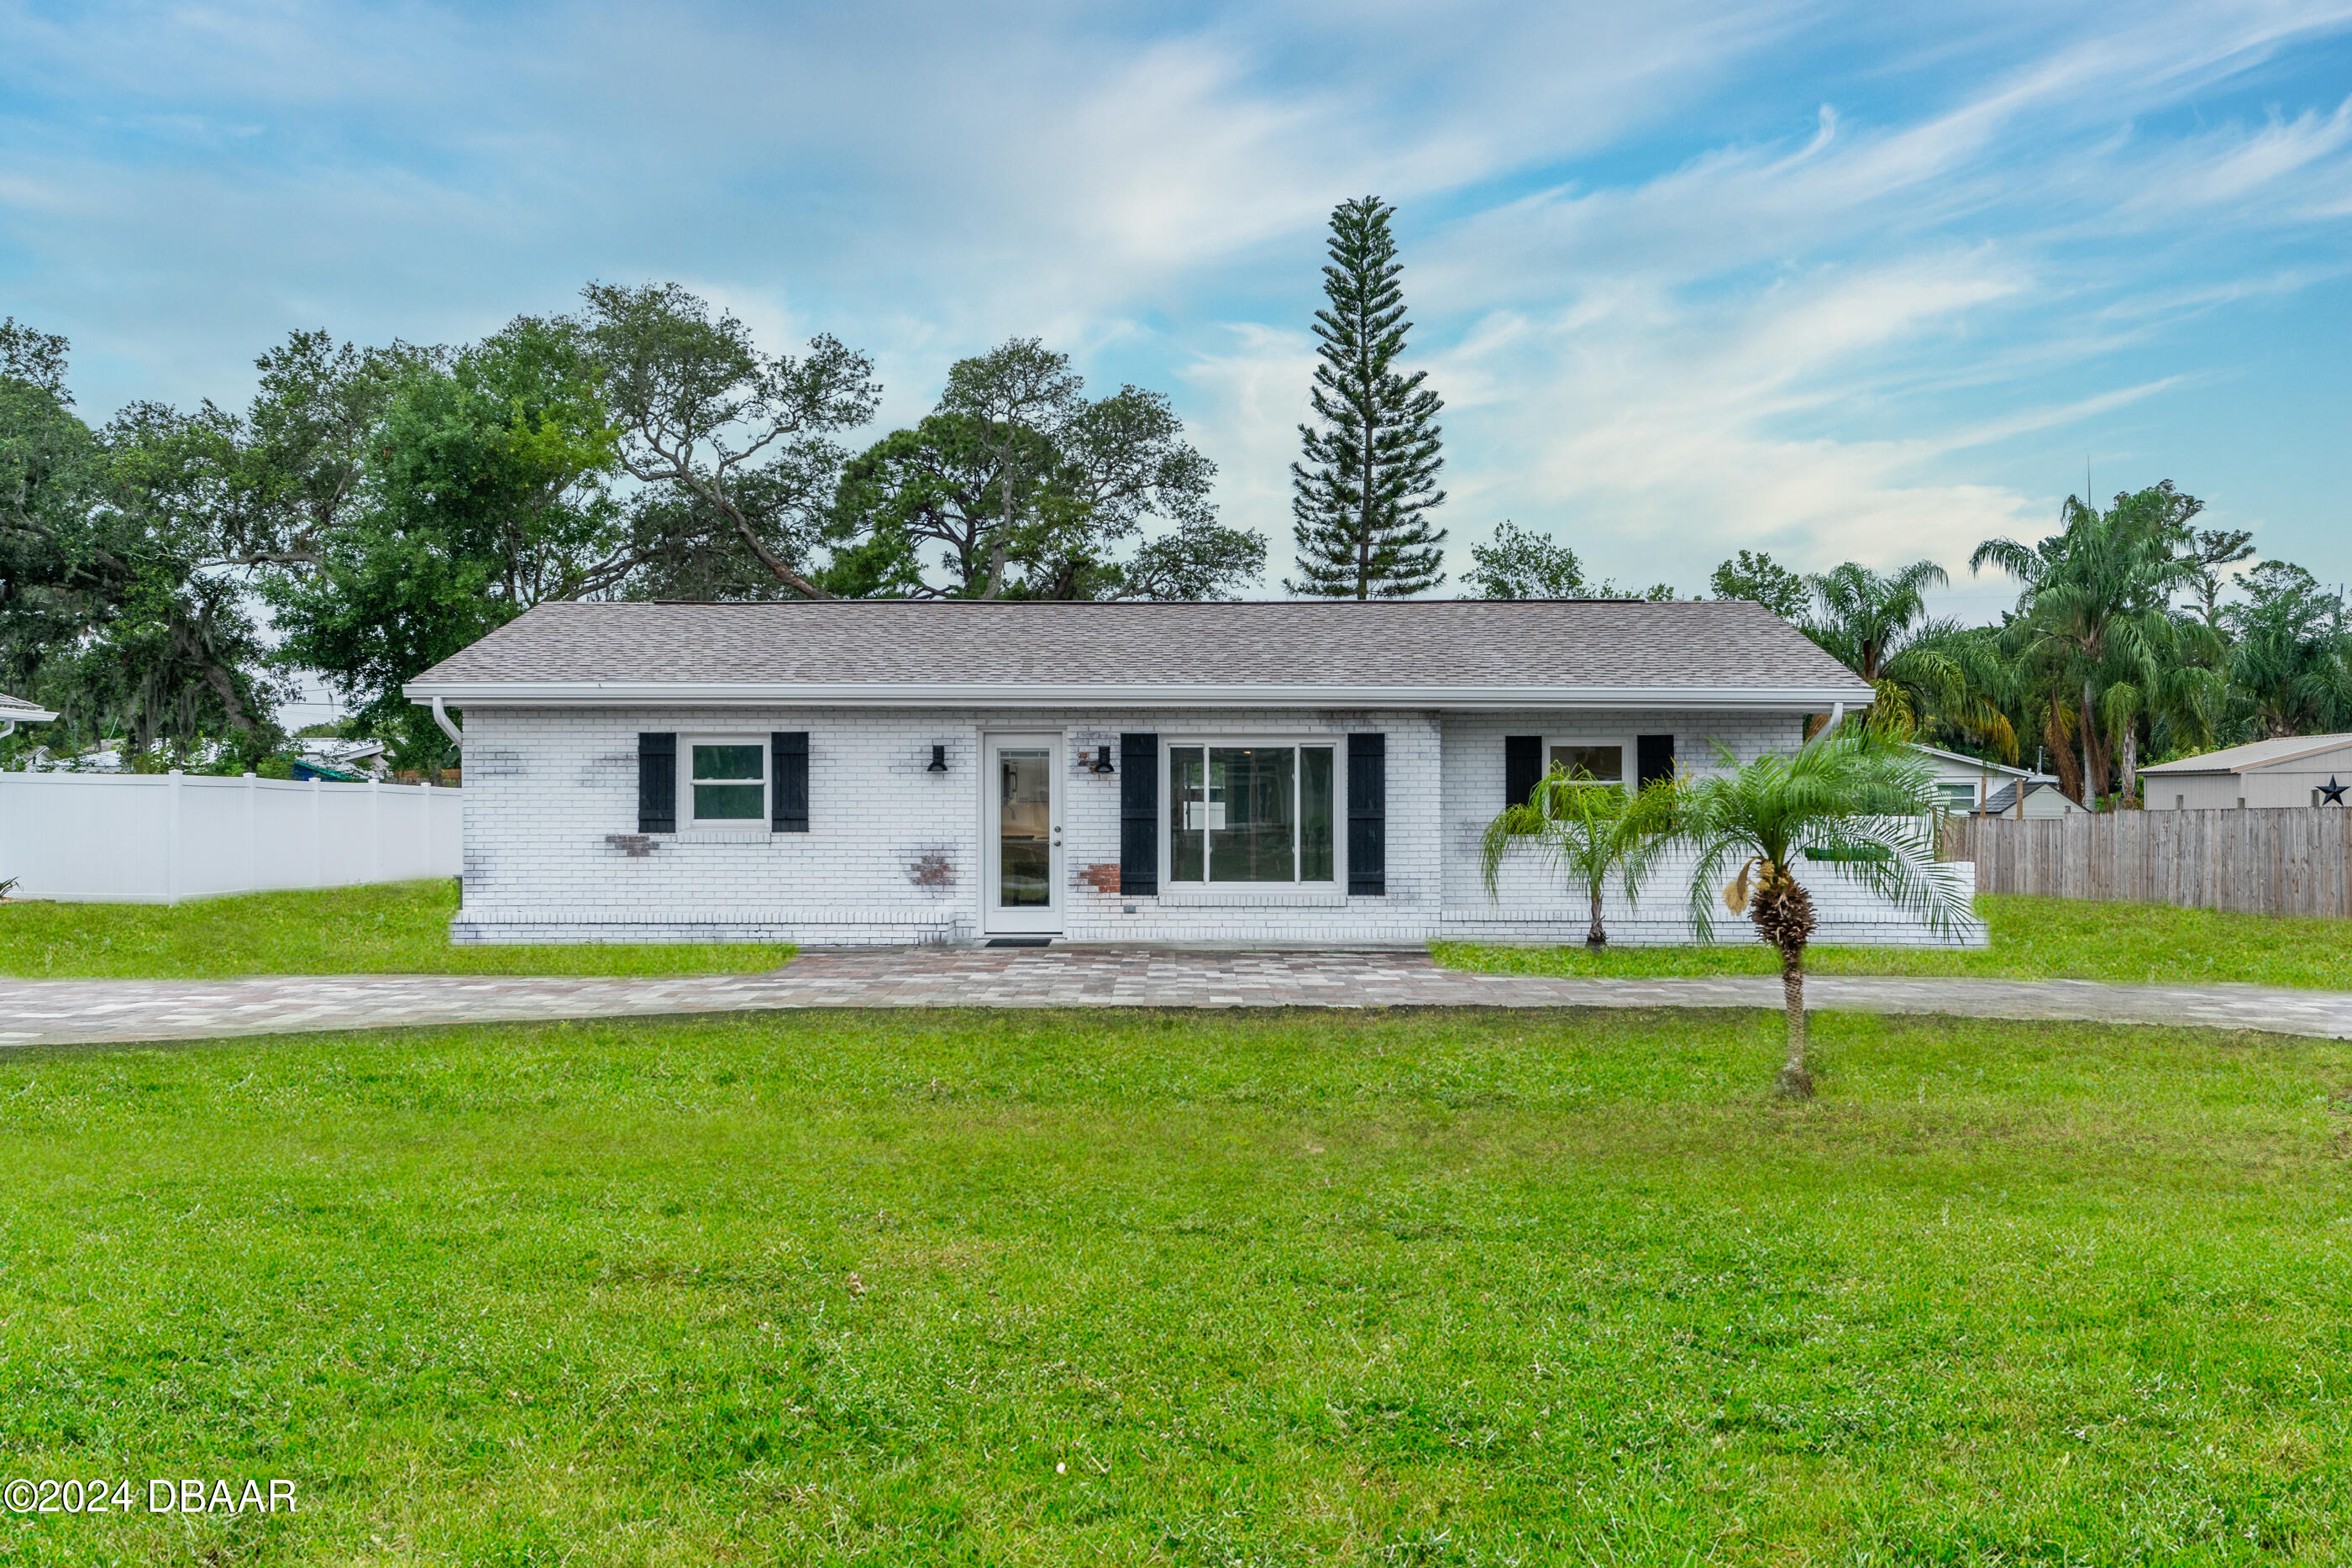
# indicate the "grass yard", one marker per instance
pixel 2032 938
pixel 1263 1288
pixel 392 928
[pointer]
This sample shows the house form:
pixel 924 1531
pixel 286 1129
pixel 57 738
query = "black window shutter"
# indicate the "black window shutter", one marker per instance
pixel 1523 767
pixel 788 793
pixel 656 783
pixel 1367 815
pixel 1138 813
pixel 1654 759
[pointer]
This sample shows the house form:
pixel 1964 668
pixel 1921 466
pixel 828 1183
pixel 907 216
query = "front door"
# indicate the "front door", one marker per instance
pixel 1021 823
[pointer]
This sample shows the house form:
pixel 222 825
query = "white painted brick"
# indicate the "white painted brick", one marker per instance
pixel 549 792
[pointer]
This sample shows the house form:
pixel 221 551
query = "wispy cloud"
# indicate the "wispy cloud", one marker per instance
pixel 1689 276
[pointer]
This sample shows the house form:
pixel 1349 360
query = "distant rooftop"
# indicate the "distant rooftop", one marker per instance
pixel 2257 755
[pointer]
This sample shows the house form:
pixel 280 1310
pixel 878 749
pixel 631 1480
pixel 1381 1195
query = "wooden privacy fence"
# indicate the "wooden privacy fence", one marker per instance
pixel 2286 859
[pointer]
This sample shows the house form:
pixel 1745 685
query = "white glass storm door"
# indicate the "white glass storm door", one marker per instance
pixel 1021 827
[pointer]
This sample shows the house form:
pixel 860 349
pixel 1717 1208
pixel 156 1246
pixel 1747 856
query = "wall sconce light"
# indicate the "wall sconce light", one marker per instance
pixel 1101 764
pixel 938 759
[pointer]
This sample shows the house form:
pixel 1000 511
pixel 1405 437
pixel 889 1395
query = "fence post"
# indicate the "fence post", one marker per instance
pixel 376 829
pixel 172 837
pixel 424 826
pixel 252 832
pixel 317 837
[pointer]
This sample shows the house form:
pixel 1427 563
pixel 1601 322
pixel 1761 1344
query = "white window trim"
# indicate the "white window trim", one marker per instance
pixel 1629 762
pixel 737 827
pixel 1205 893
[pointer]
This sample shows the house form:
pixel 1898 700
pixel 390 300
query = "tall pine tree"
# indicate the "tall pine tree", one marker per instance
pixel 1362 495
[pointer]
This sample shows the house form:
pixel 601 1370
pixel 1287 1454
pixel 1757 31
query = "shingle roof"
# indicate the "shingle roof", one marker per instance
pixel 2004 799
pixel 1432 646
pixel 2258 754
pixel 18 708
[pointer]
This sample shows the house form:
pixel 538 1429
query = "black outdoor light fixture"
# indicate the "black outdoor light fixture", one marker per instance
pixel 1101 764
pixel 938 759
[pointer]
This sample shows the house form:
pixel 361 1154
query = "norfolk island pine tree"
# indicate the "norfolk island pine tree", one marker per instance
pixel 1362 497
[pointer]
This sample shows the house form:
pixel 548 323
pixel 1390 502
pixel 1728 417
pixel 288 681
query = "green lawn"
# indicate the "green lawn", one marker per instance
pixel 2032 938
pixel 392 928
pixel 1269 1288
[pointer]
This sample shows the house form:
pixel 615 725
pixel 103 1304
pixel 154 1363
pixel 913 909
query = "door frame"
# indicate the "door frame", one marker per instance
pixel 995 921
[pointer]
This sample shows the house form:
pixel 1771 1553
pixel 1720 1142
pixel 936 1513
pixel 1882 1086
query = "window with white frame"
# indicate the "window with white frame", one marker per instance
pixel 1604 761
pixel 1251 813
pixel 725 781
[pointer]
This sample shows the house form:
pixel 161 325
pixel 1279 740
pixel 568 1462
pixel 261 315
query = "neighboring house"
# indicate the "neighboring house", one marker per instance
pixel 2042 799
pixel 2299 771
pixel 949 770
pixel 14 711
pixel 1966 782
pixel 340 761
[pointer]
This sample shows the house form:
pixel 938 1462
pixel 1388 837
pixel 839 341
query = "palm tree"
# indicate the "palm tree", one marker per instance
pixel 1586 830
pixel 1864 617
pixel 2292 662
pixel 2096 614
pixel 1848 797
pixel 1877 625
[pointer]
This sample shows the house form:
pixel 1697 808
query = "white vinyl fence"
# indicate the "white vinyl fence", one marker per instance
pixel 160 838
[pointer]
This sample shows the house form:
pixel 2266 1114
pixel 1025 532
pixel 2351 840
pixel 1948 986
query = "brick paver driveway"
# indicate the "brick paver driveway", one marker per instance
pixel 66 1011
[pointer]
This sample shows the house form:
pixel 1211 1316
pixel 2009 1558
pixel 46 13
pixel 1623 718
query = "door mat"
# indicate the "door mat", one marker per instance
pixel 1020 942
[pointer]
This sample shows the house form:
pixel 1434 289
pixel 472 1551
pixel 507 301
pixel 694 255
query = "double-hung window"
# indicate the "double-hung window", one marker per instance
pixel 727 781
pixel 1250 813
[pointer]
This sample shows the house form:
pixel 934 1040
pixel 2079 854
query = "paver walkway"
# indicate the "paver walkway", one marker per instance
pixel 67 1012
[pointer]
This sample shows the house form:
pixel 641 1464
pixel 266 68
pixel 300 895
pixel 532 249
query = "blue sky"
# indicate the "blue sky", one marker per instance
pixel 1828 281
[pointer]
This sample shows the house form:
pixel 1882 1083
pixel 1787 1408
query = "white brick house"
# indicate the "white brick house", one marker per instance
pixel 950 771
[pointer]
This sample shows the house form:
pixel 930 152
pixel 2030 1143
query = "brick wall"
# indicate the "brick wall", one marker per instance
pixel 894 851
pixel 1532 902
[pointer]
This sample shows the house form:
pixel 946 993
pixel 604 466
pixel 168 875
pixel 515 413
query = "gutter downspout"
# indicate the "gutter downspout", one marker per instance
pixel 1837 716
pixel 441 716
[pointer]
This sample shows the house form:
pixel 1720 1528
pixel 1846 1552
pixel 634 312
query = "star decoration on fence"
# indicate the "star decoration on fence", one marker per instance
pixel 2331 792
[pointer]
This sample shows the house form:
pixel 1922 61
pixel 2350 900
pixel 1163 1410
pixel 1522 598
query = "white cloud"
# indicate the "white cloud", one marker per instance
pixel 1687 275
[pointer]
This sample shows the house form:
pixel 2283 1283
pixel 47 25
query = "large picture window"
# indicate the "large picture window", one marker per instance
pixel 727 783
pixel 1250 813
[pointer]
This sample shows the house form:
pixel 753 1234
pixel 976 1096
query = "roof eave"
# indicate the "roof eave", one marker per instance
pixel 775 694
pixel 1978 762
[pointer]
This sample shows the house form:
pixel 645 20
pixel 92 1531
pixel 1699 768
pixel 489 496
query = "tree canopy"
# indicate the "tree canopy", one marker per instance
pixel 1017 485
pixel 1519 564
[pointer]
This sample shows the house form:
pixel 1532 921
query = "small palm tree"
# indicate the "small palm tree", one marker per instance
pixel 1586 830
pixel 1848 797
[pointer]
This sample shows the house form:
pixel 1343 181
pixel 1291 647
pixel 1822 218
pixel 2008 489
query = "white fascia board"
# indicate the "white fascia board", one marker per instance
pixel 24 715
pixel 770 694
